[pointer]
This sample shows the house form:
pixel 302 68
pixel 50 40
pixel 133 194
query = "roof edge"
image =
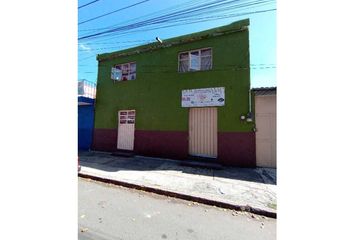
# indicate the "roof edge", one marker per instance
pixel 263 91
pixel 213 32
pixel 264 88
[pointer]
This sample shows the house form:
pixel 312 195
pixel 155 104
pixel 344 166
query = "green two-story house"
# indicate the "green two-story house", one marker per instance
pixel 179 98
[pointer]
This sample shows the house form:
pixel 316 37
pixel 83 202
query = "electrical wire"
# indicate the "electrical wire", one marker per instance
pixel 95 49
pixel 117 47
pixel 164 11
pixel 92 41
pixel 176 71
pixel 182 15
pixel 152 19
pixel 179 18
pixel 106 14
pixel 104 43
pixel 216 68
pixel 183 22
pixel 88 4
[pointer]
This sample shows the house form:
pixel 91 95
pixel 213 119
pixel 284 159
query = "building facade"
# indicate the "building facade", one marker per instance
pixel 182 97
pixel 86 109
pixel 266 126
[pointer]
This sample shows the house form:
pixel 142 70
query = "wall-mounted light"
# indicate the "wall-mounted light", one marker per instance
pixel 158 39
pixel 249 117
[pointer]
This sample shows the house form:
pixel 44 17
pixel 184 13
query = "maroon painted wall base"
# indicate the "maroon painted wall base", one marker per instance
pixel 168 144
pixel 237 149
pixel 105 140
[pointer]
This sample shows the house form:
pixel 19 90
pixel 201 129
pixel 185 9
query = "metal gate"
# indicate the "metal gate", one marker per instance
pixel 203 132
pixel 126 128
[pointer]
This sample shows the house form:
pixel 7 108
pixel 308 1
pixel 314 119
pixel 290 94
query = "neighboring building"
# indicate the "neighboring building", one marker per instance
pixel 187 96
pixel 266 123
pixel 86 108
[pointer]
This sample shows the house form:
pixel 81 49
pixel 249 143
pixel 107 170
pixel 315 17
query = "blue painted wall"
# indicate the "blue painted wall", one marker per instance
pixel 85 124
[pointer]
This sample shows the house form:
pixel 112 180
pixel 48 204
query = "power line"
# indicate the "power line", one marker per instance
pixel 88 4
pixel 95 49
pixel 215 66
pixel 182 7
pixel 104 43
pixel 175 7
pixel 182 22
pixel 212 70
pixel 176 71
pixel 218 17
pixel 139 24
pixel 207 19
pixel 182 15
pixel 106 14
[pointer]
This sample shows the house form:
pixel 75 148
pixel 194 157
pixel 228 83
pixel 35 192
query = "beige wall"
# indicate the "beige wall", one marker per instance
pixel 266 130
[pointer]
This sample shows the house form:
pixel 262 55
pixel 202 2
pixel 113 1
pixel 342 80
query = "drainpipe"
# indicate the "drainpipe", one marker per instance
pixel 249 114
pixel 250 100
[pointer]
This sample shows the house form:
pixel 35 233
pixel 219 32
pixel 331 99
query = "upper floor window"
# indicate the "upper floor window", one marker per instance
pixel 195 60
pixel 124 72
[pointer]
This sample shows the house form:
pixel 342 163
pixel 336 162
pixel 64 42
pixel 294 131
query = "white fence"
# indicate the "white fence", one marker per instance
pixel 86 89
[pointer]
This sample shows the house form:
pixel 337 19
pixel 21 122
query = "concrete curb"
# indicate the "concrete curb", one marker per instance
pixel 183 196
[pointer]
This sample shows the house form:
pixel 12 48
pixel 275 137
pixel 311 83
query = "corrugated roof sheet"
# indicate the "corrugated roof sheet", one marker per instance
pixel 265 91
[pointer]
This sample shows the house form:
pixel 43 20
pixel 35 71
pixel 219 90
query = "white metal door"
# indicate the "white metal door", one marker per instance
pixel 126 128
pixel 266 131
pixel 203 132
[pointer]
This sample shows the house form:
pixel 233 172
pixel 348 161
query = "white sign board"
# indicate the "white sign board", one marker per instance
pixel 203 97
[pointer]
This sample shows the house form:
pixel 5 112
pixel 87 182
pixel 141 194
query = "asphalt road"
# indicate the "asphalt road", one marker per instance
pixel 111 212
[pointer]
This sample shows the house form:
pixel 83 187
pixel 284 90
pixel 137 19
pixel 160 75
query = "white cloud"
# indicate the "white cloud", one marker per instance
pixel 84 47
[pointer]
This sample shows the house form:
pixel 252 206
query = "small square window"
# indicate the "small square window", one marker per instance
pixel 195 60
pixel 124 72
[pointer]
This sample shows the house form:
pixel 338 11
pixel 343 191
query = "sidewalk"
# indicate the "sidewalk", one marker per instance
pixel 253 190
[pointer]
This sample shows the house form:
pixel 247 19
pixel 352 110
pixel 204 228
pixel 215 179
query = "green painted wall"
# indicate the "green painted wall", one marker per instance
pixel 156 92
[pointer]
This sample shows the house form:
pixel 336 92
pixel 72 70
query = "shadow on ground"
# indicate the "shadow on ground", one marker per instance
pixel 107 162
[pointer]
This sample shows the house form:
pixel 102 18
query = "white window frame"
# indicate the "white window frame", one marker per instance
pixel 200 59
pixel 129 71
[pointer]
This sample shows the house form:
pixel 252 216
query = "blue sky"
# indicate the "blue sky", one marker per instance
pixel 262 31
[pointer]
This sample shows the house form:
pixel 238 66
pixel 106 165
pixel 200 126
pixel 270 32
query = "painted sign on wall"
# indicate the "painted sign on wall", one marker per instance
pixel 203 97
